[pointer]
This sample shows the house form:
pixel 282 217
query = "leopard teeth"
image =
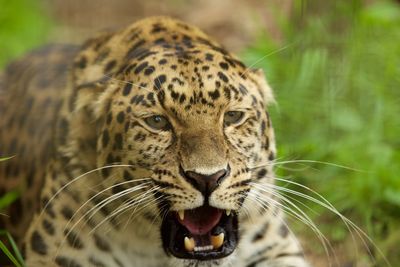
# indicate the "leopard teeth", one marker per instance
pixel 204 248
pixel 217 240
pixel 181 214
pixel 189 244
pixel 228 212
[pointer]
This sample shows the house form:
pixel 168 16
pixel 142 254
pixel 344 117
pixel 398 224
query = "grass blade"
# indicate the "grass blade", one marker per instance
pixel 8 198
pixel 14 246
pixel 7 252
pixel 4 159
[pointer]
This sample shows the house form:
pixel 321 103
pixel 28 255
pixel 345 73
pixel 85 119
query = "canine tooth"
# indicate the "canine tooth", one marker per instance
pixel 181 214
pixel 189 244
pixel 217 240
pixel 228 212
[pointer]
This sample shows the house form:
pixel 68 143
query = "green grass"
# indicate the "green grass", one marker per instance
pixel 14 255
pixel 23 25
pixel 337 86
pixel 8 198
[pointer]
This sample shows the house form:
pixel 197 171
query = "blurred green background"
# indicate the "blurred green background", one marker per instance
pixel 335 70
pixel 23 25
pixel 338 91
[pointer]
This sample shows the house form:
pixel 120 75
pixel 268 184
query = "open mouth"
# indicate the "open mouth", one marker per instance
pixel 204 233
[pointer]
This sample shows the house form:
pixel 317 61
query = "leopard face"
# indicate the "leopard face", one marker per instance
pixel 189 122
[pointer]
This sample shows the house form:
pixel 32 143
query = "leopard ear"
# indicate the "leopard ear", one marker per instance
pixel 93 97
pixel 95 61
pixel 91 74
pixel 89 91
pixel 263 86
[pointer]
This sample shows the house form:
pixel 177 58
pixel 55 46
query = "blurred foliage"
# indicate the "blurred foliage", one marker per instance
pixel 23 25
pixel 7 199
pixel 336 78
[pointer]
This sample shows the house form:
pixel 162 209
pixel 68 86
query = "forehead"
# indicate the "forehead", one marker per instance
pixel 188 76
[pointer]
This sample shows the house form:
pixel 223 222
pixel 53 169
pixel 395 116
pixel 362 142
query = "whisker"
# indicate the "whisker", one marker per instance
pixel 116 196
pixel 133 212
pixel 107 201
pixel 76 179
pixel 258 201
pixel 351 226
pixel 302 216
pixel 91 232
pixel 299 214
pixel 277 163
pixel 126 82
pixel 296 216
pixel 101 192
pixel 264 57
pixel 154 219
pixel 326 204
pixel 125 207
pixel 246 210
pixel 136 211
pixel 103 203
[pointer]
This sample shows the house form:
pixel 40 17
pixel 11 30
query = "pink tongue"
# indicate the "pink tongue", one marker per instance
pixel 201 220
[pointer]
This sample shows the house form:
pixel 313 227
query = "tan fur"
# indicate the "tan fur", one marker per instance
pixel 157 66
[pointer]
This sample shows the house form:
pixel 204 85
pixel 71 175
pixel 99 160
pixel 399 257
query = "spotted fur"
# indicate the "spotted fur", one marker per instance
pixel 75 119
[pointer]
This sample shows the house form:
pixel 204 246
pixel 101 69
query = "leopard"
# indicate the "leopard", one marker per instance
pixel 149 146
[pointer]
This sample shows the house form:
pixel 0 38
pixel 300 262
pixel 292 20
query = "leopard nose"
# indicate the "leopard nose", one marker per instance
pixel 206 184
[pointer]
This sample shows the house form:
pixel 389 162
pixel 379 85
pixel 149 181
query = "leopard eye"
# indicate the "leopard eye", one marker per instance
pixel 233 117
pixel 157 122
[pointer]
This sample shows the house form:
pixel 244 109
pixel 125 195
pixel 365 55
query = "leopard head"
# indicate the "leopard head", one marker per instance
pixel 188 121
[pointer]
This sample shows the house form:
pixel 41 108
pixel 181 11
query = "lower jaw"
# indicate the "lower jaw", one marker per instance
pixel 173 238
